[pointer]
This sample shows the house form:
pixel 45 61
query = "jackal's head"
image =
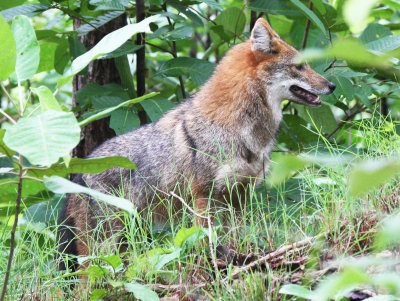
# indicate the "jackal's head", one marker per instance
pixel 278 70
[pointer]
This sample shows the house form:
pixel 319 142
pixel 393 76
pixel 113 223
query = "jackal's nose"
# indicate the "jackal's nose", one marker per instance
pixel 331 86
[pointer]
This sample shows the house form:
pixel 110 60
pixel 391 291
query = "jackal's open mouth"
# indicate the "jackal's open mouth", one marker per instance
pixel 305 95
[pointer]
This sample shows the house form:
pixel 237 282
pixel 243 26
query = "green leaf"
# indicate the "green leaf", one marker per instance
pixel 390 233
pixel 141 292
pixel 156 107
pixel 212 4
pixel 184 234
pixel 199 70
pixel 356 12
pixel 98 22
pixel 44 212
pixel 319 5
pixel 4 4
pixel 61 186
pixel 107 111
pixel 164 259
pixel 109 4
pixel 47 53
pixel 179 33
pixel 284 166
pixel 113 260
pixel 233 20
pixel 127 48
pixel 297 290
pixel 101 97
pixel 7 50
pixel 370 174
pixel 124 120
pixel 99 294
pixel 374 32
pixel 47 99
pixel 276 7
pixel 385 44
pixel 321 117
pixel 61 56
pixel 312 16
pixel 338 285
pixel 89 165
pixel 29 10
pixel 188 13
pixel 3 147
pixel 109 43
pixel 44 138
pixel 28 49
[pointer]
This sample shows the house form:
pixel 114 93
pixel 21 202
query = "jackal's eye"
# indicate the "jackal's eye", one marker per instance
pixel 299 67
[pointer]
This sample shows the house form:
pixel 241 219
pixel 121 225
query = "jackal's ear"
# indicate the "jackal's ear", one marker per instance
pixel 262 37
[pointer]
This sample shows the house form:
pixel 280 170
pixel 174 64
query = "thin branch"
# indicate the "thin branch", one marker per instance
pixel 8 117
pixel 263 260
pixel 14 228
pixel 203 16
pixel 307 29
pixel 161 48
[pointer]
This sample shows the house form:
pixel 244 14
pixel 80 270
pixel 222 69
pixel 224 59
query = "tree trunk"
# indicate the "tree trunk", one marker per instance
pixel 101 72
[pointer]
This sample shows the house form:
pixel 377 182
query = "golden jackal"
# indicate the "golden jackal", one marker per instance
pixel 227 130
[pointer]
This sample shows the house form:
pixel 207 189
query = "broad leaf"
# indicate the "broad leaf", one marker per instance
pixel 284 166
pixel 370 174
pixel 273 7
pixel 107 111
pixel 156 107
pixel 312 16
pixel 89 165
pixel 29 10
pixel 108 44
pixel 356 12
pixel 199 70
pixel 296 290
pixel 184 234
pixel 3 147
pixel 100 21
pixel 47 99
pixel 44 138
pixel 27 48
pixel 124 120
pixel 61 186
pixel 233 20
pixel 141 292
pixel 7 50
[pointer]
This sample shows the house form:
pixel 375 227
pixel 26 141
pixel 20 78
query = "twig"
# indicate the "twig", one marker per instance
pixel 161 48
pixel 263 260
pixel 14 228
pixel 203 16
pixel 307 29
pixel 8 117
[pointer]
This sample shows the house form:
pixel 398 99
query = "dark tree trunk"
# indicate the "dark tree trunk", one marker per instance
pixel 101 72
pixel 141 59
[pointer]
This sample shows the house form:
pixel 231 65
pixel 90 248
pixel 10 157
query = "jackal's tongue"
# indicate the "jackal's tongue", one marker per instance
pixel 305 95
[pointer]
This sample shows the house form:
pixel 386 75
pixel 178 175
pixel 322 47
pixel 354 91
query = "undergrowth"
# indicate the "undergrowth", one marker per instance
pixel 175 260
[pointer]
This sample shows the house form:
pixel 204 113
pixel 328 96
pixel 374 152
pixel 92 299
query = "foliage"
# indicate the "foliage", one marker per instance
pixel 353 43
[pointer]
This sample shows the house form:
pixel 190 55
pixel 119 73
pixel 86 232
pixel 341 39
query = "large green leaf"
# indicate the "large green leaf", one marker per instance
pixel 7 50
pixel 61 185
pixel 77 165
pixel 141 292
pixel 312 16
pixel 356 13
pixel 100 21
pixel 370 174
pixel 273 7
pixel 233 21
pixel 156 107
pixel 199 70
pixel 297 290
pixel 124 120
pixel 107 111
pixel 385 44
pixel 29 10
pixel 44 138
pixel 3 147
pixel 28 49
pixel 321 117
pixel 284 166
pixel 46 99
pixel 108 44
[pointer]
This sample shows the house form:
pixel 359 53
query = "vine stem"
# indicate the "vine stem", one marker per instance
pixel 14 228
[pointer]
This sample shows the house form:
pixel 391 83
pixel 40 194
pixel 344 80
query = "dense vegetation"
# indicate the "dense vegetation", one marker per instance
pixel 323 225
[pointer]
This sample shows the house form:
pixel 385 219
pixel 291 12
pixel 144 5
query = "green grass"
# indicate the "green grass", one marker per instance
pixel 314 201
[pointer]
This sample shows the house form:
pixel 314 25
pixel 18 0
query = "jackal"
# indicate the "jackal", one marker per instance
pixel 226 131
